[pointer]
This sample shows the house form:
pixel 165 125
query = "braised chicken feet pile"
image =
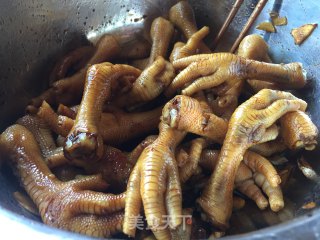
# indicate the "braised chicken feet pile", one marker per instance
pixel 160 138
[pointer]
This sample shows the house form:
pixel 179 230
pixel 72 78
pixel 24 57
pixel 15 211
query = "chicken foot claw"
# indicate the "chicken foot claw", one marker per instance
pixel 161 33
pixel 249 125
pixel 72 205
pixel 150 84
pixel 206 71
pixel 84 141
pixel 298 131
pixel 68 90
pixel 182 16
pixel 181 50
pixel 154 182
pixel 254 176
pixel 262 175
pixel 186 114
pixel 190 166
pixel 116 127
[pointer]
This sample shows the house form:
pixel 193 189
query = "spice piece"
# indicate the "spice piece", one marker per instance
pixel 280 21
pixel 300 34
pixel 266 26
pixel 307 170
pixel 276 20
pixel 309 205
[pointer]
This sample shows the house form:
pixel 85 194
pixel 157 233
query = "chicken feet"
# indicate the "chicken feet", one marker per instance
pixel 251 123
pixel 116 128
pixel 149 85
pixel 161 33
pixel 186 114
pixel 72 205
pixel 254 47
pixel 182 16
pixel 181 50
pixel 68 90
pixel 154 182
pixel 225 70
pixel 254 172
pixel 298 131
pixel 84 140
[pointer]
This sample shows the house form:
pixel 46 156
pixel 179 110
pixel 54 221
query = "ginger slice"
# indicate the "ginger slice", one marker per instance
pixel 309 205
pixel 266 26
pixel 300 34
pixel 280 21
pixel 277 20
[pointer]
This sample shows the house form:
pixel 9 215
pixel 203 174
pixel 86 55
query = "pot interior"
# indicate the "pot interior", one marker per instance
pixel 34 34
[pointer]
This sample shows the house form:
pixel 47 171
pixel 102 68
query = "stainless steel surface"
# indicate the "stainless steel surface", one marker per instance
pixel 35 33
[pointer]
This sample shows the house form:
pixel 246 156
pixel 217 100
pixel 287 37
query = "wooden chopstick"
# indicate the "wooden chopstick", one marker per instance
pixel 236 6
pixel 249 23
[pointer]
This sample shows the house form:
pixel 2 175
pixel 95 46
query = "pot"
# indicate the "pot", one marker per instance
pixel 34 34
